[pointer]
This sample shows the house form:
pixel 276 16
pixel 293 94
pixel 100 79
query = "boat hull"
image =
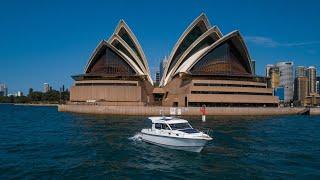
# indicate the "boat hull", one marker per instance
pixel 186 144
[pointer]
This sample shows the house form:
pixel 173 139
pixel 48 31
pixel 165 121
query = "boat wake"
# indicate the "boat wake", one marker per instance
pixel 136 137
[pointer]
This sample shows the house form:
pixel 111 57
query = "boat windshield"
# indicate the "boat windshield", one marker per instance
pixel 179 126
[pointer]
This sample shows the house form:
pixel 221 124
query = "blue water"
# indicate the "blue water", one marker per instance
pixel 39 142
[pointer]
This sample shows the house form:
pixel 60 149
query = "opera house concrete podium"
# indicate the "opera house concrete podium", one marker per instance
pixel 116 74
pixel 205 67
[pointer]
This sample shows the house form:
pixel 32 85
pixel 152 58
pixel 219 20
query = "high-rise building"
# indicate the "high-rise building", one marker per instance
pixel 253 66
pixel 163 64
pixel 3 90
pixel 318 84
pixel 300 89
pixel 279 92
pixel 157 76
pixel 286 79
pixel 46 87
pixel 274 77
pixel 19 94
pixel 312 79
pixel 268 67
pixel 273 73
pixel 300 71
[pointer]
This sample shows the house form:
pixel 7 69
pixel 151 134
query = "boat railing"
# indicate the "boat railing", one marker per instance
pixel 206 131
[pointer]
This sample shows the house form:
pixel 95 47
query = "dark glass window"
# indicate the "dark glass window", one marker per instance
pixel 223 60
pixel 109 62
pixel 224 92
pixel 229 85
pixel 204 43
pixel 195 33
pixel 126 37
pixel 157 126
pixel 178 126
pixel 120 47
pixel 161 126
pixel 165 127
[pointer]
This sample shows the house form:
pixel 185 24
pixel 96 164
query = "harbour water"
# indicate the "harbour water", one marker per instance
pixel 40 142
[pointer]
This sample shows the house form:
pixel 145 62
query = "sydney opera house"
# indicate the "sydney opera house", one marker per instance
pixel 205 67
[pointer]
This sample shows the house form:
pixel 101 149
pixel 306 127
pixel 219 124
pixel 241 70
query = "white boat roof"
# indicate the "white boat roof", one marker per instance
pixel 167 120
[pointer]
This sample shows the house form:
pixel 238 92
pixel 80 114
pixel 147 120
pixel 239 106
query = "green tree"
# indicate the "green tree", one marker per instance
pixel 36 96
pixel 4 99
pixel 52 96
pixel 22 99
pixel 65 96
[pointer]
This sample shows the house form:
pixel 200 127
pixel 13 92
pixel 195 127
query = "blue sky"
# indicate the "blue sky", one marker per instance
pixel 48 41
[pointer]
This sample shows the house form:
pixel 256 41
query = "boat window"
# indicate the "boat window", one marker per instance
pixel 157 126
pixel 180 126
pixel 164 126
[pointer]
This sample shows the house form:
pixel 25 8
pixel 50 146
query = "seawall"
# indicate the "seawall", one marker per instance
pixel 314 111
pixel 185 111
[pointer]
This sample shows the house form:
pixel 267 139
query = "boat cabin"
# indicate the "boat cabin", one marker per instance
pixel 169 123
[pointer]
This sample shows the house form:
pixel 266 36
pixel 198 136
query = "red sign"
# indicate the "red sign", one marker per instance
pixel 203 109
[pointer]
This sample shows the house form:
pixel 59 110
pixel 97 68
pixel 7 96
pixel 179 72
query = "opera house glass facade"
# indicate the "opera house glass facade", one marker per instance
pixel 205 67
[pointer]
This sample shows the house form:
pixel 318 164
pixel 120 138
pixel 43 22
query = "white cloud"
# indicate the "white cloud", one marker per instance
pixel 269 42
pixel 312 51
pixel 259 40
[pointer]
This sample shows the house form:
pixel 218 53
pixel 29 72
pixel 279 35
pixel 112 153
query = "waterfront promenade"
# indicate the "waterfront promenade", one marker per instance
pixel 184 111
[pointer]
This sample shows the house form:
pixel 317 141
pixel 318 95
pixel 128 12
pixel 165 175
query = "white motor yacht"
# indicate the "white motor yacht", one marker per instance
pixel 174 133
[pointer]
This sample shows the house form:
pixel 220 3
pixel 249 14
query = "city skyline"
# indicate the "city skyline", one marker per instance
pixel 53 52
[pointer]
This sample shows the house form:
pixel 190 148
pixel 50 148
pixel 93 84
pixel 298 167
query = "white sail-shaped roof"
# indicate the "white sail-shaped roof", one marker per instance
pixel 234 36
pixel 129 40
pixel 102 45
pixel 187 52
pixel 196 42
pixel 206 39
pixel 122 46
pixel 199 26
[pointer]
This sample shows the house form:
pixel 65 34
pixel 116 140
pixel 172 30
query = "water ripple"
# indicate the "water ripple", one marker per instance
pixel 39 142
